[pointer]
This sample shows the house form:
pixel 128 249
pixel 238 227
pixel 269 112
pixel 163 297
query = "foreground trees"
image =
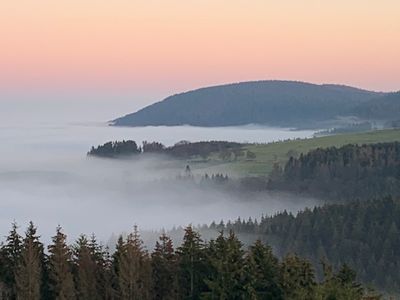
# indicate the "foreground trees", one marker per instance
pixel 220 269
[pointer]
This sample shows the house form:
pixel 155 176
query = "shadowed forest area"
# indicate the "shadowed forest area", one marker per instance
pixel 219 269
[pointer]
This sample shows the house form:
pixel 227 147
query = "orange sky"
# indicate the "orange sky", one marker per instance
pixel 173 45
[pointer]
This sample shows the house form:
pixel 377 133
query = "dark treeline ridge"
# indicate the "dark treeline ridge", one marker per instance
pixel 386 107
pixel 219 269
pixel 365 235
pixel 181 149
pixel 349 172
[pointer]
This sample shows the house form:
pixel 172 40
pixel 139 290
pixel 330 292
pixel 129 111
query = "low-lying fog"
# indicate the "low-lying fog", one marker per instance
pixel 46 177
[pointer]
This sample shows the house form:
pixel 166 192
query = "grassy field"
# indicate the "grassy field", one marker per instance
pixel 268 154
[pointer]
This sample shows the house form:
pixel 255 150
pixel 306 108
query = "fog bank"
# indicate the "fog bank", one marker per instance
pixel 46 177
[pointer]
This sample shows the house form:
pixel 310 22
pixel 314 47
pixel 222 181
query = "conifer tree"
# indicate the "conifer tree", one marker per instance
pixel 99 257
pixel 134 269
pixel 341 285
pixel 116 261
pixel 164 268
pixel 228 279
pixel 298 278
pixel 263 272
pixel 109 279
pixel 60 268
pixel 85 273
pixel 191 260
pixel 10 257
pixel 29 270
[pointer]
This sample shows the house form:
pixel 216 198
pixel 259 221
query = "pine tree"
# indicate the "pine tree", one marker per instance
pixel 109 278
pixel 164 268
pixel 98 255
pixel 228 279
pixel 191 260
pixel 60 268
pixel 134 269
pixel 116 261
pixel 341 285
pixel 264 272
pixel 10 257
pixel 29 270
pixel 298 278
pixel 85 273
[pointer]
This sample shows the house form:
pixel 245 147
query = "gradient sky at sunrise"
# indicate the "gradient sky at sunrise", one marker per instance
pixel 169 46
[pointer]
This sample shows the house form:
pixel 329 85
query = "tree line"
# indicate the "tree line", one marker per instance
pixel 365 235
pixel 219 269
pixel 182 149
pixel 348 172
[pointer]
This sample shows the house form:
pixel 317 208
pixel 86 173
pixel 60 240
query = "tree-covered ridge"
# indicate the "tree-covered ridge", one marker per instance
pixel 181 149
pixel 383 108
pixel 274 103
pixel 351 171
pixel 115 149
pixel 219 269
pixel 362 234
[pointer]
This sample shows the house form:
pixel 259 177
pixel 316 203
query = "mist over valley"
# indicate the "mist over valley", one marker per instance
pixel 46 177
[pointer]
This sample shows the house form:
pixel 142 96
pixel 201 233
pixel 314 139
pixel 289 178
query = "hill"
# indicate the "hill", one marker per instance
pixel 273 103
pixel 348 172
pixel 265 156
pixel 242 160
pixel 385 108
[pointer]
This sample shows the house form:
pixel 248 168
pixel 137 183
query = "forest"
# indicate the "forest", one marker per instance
pixel 219 269
pixel 365 235
pixel 349 172
pixel 181 150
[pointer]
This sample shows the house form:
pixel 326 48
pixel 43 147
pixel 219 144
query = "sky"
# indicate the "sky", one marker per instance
pixel 156 48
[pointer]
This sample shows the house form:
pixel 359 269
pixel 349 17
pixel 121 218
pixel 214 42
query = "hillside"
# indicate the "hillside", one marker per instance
pixel 240 159
pixel 266 155
pixel 386 107
pixel 273 103
pixel 349 172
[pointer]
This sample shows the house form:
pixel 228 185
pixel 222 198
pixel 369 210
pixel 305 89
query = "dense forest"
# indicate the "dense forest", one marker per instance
pixel 182 150
pixel 218 269
pixel 365 235
pixel 382 108
pixel 348 172
pixel 274 103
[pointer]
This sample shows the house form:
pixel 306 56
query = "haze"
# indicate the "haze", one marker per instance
pixel 46 177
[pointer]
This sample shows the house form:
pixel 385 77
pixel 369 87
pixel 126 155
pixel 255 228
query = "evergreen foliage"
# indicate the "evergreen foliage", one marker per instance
pixel 348 172
pixel 220 269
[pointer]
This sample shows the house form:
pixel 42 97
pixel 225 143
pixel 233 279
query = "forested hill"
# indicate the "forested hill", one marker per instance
pixel 274 103
pixel 384 108
pixel 351 171
pixel 363 234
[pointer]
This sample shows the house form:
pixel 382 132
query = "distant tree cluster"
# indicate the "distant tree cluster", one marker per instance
pixel 115 149
pixel 352 171
pixel 152 147
pixel 355 127
pixel 182 149
pixel 219 269
pixel 214 179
